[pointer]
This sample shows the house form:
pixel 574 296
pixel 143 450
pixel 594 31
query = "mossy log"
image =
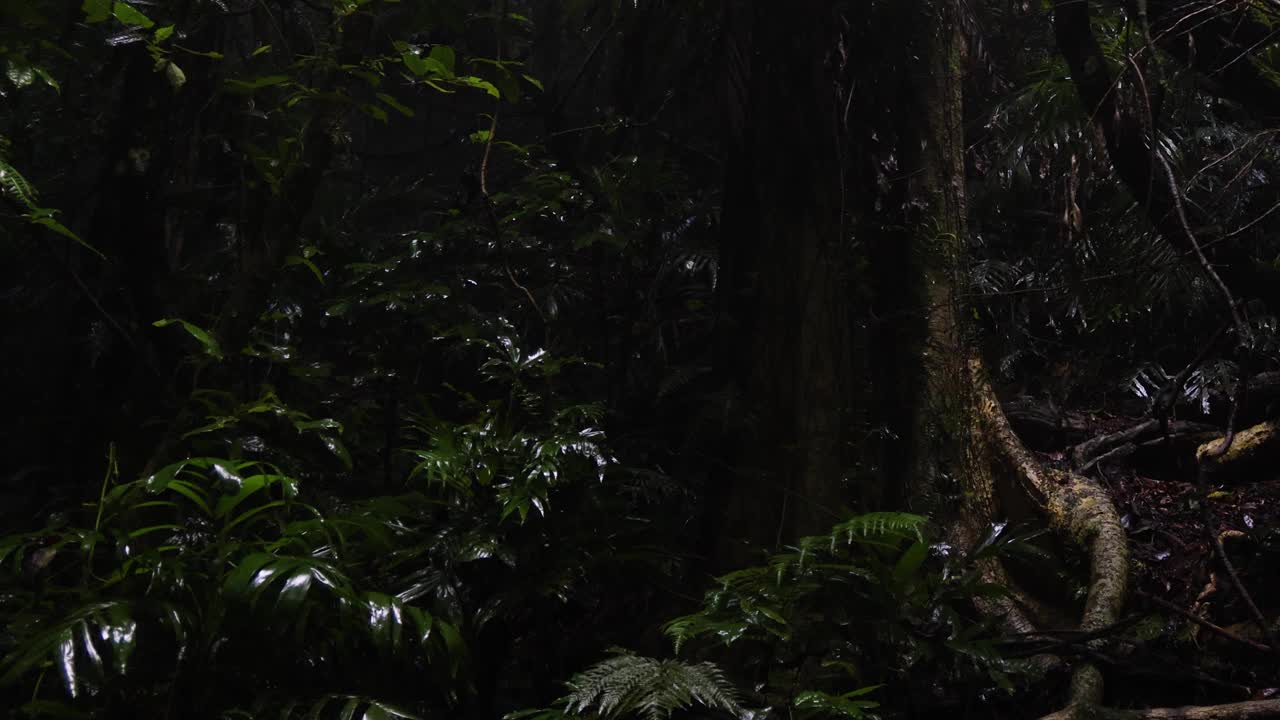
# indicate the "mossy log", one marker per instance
pixel 1252 450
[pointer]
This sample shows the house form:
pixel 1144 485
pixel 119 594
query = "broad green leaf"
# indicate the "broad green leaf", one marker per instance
pixel 248 486
pixel 349 708
pixel 129 15
pixel 154 528
pixel 239 581
pixel 336 447
pixel 67 662
pixel 20 74
pixel 174 74
pixel 44 218
pixel 249 515
pixel 480 84
pixel 908 567
pixel 307 263
pixel 214 424
pixel 96 11
pixel 321 424
pixel 229 476
pixel 120 631
pixel 772 614
pixel 296 586
pixel 453 643
pixel 257 83
pixel 206 339
pixel 212 55
pixel 192 493
pixel 165 475
pixel 47 78
pixel 396 104
pixel 416 63
pixel 163 33
pixel 447 59
pixel 508 85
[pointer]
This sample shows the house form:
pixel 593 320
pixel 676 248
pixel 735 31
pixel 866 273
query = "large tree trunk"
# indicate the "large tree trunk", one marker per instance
pixel 785 335
pixel 784 331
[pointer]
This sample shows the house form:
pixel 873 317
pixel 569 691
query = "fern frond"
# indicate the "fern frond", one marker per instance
pixel 654 689
pixel 18 187
pixel 15 185
pixel 879 528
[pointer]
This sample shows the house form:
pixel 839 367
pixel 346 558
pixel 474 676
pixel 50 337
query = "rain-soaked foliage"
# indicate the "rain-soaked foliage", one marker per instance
pixel 385 358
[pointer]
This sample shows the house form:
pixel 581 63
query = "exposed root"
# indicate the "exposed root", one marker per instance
pixel 1080 508
pixel 1077 507
pixel 1252 710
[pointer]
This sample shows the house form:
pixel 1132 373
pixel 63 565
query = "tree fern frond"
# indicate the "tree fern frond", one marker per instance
pixel 630 684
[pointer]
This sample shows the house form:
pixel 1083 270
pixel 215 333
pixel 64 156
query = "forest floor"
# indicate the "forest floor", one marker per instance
pixel 1196 634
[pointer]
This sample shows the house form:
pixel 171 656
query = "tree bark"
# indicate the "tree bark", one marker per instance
pixel 783 324
pixel 961 424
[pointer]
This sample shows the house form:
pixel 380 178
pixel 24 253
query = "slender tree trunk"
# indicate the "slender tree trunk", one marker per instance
pixel 961 424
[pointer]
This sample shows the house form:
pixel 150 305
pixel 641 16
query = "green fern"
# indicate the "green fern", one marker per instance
pixel 630 684
pixel 16 186
pixel 879 528
pixel 758 601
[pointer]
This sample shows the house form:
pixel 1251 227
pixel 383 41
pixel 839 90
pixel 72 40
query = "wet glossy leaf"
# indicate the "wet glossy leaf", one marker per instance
pixel 96 11
pixel 257 83
pixel 396 104
pixel 453 643
pixel 195 494
pixel 445 57
pixel 336 447
pixel 307 263
pixel 480 84
pixel 173 73
pixel 44 218
pixel 203 336
pixel 908 567
pixel 129 15
pixel 239 581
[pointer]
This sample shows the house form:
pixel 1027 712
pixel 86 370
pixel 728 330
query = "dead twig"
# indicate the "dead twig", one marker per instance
pixel 1217 629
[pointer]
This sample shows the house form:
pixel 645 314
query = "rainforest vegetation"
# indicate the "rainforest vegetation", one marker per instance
pixel 640 359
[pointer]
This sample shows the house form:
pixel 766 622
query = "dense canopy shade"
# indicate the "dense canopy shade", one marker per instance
pixel 570 359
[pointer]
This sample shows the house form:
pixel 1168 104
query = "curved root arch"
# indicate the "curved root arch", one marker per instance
pixel 1075 506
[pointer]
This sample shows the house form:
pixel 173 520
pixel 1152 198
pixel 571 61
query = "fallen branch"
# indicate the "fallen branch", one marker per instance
pixel 1086 454
pixel 1236 582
